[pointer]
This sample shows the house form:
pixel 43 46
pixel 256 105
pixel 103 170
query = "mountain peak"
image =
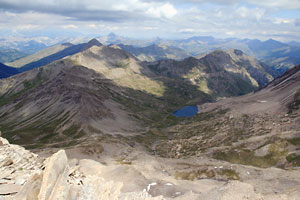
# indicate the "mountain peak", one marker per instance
pixel 274 42
pixel 238 52
pixel 271 40
pixel 112 35
pixel 92 42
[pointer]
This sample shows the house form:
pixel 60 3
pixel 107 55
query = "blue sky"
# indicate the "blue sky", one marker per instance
pixel 152 18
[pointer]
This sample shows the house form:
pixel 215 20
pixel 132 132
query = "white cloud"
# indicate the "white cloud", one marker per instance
pixel 281 4
pixel 92 25
pixel 150 28
pixel 26 26
pixel 283 21
pixel 234 18
pixel 70 26
pixel 152 9
pixel 231 33
pixel 245 12
pixel 187 30
pixel 166 10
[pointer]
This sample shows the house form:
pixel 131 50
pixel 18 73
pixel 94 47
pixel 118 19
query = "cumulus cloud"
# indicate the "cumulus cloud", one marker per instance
pixel 70 26
pixel 187 30
pixel 166 10
pixel 256 13
pixel 281 4
pixel 220 18
pixel 93 10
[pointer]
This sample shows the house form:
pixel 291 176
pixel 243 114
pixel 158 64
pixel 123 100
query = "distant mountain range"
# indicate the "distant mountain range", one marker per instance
pixel 294 43
pixel 92 88
pixel 272 52
pixel 275 53
pixel 8 55
pixel 23 45
pixel 155 52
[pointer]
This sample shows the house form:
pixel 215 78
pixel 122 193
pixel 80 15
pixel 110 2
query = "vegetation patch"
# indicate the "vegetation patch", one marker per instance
pixel 124 162
pixel 294 141
pixel 276 152
pixel 28 85
pixel 230 174
pixel 123 65
pixel 71 131
pixel 293 159
pixel 206 173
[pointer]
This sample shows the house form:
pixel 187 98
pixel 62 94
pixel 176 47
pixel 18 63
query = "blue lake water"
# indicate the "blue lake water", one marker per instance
pixel 186 111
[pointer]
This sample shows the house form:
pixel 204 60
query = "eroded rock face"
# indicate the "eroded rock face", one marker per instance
pixel 54 176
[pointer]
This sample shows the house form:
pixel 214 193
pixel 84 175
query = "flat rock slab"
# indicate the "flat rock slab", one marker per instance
pixel 6 189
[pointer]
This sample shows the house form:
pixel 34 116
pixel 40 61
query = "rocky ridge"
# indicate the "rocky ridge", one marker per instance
pixel 38 55
pixel 218 73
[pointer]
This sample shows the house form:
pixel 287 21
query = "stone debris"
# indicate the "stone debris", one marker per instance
pixel 24 176
pixel 17 165
pixel 29 177
pixel 6 189
pixel 149 186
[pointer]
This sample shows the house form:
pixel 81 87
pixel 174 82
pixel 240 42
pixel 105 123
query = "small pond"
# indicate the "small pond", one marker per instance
pixel 186 111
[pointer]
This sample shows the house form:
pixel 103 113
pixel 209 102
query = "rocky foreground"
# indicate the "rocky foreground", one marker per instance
pixel 26 176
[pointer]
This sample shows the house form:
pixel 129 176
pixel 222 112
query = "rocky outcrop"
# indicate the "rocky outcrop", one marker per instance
pixel 17 165
pixel 54 177
pixel 24 176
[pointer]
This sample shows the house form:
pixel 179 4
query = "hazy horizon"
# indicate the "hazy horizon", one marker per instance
pixel 144 19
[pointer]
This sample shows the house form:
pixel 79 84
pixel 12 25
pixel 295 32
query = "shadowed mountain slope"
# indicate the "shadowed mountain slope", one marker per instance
pixel 71 50
pixel 38 55
pixel 6 71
